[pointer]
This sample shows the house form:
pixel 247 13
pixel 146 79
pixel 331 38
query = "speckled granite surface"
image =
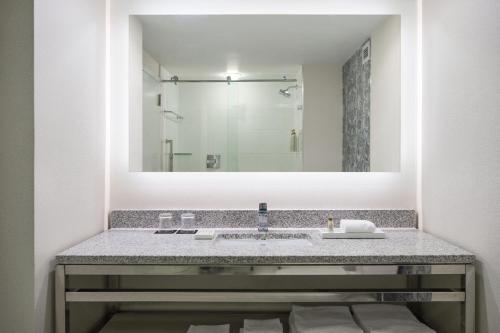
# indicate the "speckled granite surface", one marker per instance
pixel 145 247
pixel 277 218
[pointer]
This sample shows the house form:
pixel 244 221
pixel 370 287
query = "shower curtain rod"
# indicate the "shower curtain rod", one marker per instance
pixel 228 80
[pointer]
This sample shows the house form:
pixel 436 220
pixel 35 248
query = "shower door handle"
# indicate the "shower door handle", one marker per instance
pixel 170 144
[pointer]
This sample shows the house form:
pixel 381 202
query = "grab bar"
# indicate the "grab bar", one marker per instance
pixel 177 116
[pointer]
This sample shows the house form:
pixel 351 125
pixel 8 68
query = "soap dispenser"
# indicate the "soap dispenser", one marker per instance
pixel 263 223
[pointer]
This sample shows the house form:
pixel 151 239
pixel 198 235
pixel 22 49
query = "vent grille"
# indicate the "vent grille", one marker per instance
pixel 366 52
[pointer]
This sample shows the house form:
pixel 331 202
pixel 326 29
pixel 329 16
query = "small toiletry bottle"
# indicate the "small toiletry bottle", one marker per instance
pixel 263 217
pixel 330 222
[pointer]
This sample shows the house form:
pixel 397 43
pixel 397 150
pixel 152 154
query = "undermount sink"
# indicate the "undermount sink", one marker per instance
pixel 264 238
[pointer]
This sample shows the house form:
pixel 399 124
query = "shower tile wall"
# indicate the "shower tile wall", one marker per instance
pixel 248 124
pixel 356 114
pixel 266 119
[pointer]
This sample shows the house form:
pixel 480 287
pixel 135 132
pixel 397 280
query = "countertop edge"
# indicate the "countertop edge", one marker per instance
pixel 245 260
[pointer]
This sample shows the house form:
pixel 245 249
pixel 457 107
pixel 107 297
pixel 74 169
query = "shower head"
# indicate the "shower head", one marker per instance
pixel 286 92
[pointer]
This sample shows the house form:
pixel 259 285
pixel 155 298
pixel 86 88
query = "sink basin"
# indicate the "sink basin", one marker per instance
pixel 265 238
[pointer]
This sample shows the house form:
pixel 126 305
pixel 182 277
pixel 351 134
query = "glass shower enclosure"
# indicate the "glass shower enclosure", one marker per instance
pixel 222 125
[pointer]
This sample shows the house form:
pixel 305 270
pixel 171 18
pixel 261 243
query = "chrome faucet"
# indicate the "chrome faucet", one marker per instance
pixel 263 222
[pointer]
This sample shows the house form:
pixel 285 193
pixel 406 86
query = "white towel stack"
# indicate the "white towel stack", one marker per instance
pixel 357 226
pixel 388 318
pixel 208 329
pixel 262 326
pixel 322 319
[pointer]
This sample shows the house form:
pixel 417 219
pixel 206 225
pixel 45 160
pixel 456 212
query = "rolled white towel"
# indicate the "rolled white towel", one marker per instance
pixel 357 226
pixel 208 329
pixel 388 318
pixel 262 326
pixel 322 319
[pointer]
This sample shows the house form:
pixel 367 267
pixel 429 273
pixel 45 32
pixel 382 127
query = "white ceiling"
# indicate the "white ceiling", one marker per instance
pixel 187 44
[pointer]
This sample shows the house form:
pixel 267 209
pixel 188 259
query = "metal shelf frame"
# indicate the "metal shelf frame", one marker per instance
pixel 113 294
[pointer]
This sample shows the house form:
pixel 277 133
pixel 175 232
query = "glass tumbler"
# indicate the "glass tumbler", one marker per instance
pixel 166 221
pixel 187 221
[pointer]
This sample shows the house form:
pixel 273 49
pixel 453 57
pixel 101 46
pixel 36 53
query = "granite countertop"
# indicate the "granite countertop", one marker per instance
pixel 139 246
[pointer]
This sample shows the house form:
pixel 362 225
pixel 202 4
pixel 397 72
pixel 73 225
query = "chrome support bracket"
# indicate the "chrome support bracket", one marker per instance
pixel 469 305
pixel 60 299
pixel 266 270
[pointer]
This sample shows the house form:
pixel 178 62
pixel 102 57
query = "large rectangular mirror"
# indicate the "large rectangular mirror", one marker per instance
pixel 275 93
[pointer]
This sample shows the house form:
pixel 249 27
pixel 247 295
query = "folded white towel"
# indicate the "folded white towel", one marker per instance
pixel 208 329
pixel 357 226
pixel 388 318
pixel 262 326
pixel 322 319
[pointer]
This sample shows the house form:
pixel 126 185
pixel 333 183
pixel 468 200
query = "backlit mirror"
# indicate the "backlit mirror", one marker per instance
pixel 275 93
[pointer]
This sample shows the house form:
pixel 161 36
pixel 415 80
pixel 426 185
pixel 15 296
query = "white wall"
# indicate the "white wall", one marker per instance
pixel 323 113
pixel 150 112
pixel 16 166
pixel 461 137
pixel 245 190
pixel 135 91
pixel 385 96
pixel 151 124
pixel 69 135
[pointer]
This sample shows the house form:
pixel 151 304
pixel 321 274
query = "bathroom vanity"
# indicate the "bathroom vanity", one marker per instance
pixel 405 252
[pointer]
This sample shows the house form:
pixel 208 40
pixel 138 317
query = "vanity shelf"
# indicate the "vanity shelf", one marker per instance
pixel 413 293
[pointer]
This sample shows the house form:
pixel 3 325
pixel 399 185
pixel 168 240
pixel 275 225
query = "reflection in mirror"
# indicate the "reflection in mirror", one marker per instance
pixel 265 93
